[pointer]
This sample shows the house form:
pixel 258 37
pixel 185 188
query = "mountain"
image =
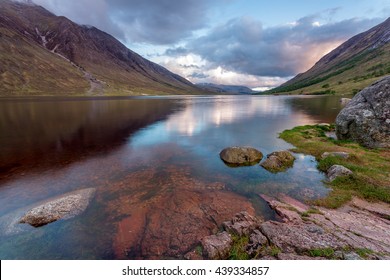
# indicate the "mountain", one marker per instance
pixel 225 89
pixel 347 69
pixel 41 53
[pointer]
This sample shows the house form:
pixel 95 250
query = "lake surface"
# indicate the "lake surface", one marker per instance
pixel 160 184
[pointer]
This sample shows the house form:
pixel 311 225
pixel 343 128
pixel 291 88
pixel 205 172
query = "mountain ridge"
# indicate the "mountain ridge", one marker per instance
pixel 348 68
pixel 34 41
pixel 226 89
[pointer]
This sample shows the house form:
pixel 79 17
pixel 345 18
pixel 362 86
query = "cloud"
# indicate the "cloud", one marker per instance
pixel 141 21
pixel 244 46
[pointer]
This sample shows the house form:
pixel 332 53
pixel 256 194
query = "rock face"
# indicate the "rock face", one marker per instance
pixel 64 207
pixel 354 226
pixel 240 155
pixel 241 224
pixel 310 233
pixel 366 118
pixel 278 161
pixel 337 171
pixel 217 246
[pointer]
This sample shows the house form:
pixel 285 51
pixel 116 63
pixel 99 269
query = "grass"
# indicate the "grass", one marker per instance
pixel 238 252
pixel 363 252
pixel 370 167
pixel 322 252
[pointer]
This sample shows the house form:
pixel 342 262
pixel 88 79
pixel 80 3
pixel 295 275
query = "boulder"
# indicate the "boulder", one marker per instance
pixel 366 118
pixel 256 242
pixel 278 161
pixel 217 246
pixel 241 155
pixel 64 207
pixel 337 171
pixel 241 224
pixel 343 155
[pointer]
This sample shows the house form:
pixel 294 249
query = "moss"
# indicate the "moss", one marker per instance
pixel 370 166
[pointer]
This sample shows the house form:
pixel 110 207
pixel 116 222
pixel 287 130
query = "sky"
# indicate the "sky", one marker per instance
pixel 255 43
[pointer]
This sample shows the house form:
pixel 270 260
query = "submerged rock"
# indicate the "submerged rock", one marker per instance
pixel 64 207
pixel 366 118
pixel 278 161
pixel 337 171
pixel 217 246
pixel 240 155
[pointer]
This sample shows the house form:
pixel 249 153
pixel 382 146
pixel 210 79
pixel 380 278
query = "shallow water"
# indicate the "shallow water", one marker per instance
pixel 155 164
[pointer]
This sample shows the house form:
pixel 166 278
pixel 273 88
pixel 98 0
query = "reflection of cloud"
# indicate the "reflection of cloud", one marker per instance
pixel 214 112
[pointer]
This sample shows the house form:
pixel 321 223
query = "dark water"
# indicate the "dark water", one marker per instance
pixel 136 152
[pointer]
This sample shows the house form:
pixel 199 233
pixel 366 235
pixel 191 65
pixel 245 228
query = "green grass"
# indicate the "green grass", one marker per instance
pixel 238 252
pixel 369 166
pixel 363 252
pixel 322 252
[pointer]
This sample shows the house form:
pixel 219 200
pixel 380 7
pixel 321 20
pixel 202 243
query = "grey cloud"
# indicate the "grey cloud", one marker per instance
pixel 143 21
pixel 198 75
pixel 243 45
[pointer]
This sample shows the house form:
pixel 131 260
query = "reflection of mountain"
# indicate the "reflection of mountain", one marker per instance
pixel 42 133
pixel 324 108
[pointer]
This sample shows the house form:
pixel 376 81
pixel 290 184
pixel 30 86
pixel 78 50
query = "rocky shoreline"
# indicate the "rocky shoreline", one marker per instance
pixel 358 230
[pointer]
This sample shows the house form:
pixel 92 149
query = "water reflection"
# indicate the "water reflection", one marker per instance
pixel 155 165
pixel 44 133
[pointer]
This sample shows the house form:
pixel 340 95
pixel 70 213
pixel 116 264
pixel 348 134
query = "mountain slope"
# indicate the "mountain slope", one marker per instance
pixel 350 67
pixel 41 53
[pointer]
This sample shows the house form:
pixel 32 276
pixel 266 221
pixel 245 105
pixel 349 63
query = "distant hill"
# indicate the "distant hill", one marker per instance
pixel 347 69
pixel 41 53
pixel 225 89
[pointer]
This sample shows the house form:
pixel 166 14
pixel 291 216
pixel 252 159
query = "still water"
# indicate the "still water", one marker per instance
pixel 154 162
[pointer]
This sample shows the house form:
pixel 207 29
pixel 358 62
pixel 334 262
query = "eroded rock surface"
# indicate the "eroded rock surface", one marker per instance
pixel 366 118
pixel 64 207
pixel 241 224
pixel 240 155
pixel 359 230
pixel 217 246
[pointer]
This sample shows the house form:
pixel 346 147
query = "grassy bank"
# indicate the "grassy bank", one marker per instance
pixel 371 168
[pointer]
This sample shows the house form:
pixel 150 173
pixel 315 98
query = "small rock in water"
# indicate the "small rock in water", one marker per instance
pixel 337 171
pixel 278 161
pixel 240 155
pixel 345 101
pixel 64 207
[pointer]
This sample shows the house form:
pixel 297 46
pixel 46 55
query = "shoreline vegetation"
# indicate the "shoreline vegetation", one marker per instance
pixel 369 166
